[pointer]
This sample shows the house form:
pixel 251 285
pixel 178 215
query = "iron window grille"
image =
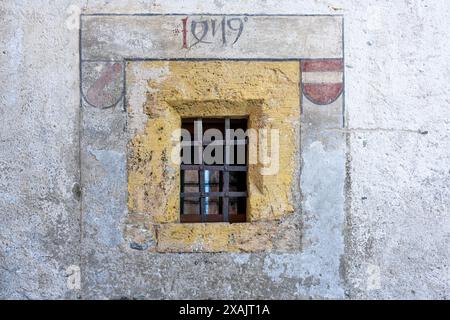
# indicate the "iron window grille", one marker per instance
pixel 214 192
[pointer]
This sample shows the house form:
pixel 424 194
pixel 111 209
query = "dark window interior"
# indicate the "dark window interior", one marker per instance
pixel 214 191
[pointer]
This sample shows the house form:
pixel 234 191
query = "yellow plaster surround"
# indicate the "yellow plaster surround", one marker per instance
pixel 267 93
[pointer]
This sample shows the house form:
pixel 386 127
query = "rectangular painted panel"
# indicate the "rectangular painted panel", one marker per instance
pixel 105 37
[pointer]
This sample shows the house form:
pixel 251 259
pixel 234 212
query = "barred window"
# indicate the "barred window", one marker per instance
pixel 214 170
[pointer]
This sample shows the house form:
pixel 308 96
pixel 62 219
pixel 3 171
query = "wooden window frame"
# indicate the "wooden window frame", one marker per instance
pixel 226 168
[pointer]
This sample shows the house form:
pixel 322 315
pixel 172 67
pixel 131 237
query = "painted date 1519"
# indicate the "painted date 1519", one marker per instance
pixel 227 29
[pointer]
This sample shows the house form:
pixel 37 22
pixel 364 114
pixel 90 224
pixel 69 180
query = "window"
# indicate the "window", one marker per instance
pixel 254 99
pixel 213 170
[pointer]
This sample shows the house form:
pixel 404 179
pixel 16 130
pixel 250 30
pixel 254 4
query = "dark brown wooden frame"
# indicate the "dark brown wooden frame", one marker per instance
pixel 226 168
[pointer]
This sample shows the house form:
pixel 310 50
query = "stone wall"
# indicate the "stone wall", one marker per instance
pixel 373 201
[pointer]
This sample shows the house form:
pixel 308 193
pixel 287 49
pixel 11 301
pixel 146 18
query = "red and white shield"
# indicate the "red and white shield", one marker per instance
pixel 322 80
pixel 102 83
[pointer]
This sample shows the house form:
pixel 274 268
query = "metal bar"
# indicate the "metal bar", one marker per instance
pixel 232 194
pixel 206 185
pixel 202 193
pixel 198 138
pixel 182 191
pixel 190 167
pixel 190 194
pixel 198 159
pixel 213 167
pixel 222 142
pixel 226 174
pixel 237 194
pixel 214 142
pixel 236 168
pixel 221 188
pixel 190 143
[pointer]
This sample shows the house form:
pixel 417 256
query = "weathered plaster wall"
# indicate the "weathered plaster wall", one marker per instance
pixel 391 240
pixel 268 94
pixel 39 208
